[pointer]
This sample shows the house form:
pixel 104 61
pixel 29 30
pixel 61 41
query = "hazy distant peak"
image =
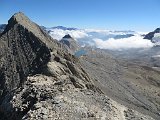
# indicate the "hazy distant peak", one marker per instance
pixel 70 43
pixel 63 28
pixel 157 30
pixel 67 36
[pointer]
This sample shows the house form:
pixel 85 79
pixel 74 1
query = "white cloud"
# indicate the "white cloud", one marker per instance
pixel 108 32
pixel 97 30
pixel 124 43
pixel 156 38
pixel 102 38
pixel 59 33
pixel 83 33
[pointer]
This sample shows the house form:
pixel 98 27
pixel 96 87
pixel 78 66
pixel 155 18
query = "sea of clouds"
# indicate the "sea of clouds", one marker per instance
pixel 104 39
pixel 136 41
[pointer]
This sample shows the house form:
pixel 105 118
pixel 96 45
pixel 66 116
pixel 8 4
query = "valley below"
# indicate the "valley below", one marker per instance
pixel 127 82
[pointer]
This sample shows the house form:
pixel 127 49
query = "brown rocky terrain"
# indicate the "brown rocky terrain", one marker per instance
pixel 41 80
pixel 131 84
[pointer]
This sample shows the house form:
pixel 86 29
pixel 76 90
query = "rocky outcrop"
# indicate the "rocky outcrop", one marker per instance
pixel 150 35
pixel 22 53
pixel 25 50
pixel 70 43
pixel 46 98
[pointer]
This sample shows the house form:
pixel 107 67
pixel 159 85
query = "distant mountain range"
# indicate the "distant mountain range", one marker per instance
pixel 59 27
pixel 89 37
pixel 2 27
pixel 63 28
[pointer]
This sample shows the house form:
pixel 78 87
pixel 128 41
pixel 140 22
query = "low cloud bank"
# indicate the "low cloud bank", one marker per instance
pixel 104 39
pixel 59 33
pixel 124 43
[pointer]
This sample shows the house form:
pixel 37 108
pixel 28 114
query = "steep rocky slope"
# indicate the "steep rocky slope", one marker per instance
pixel 41 80
pixel 128 83
pixel 26 50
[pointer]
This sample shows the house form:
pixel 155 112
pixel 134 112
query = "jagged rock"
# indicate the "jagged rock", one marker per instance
pixel 43 100
pixel 76 82
pixel 22 52
pixel 26 50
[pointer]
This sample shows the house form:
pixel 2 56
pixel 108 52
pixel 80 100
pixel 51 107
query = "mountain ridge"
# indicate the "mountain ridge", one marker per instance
pixel 41 79
pixel 26 52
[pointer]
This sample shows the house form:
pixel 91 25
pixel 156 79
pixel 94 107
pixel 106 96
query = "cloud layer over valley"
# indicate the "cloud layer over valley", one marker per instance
pixel 59 33
pixel 123 43
pixel 104 39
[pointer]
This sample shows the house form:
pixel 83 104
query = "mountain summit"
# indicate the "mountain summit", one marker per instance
pixel 23 52
pixel 30 62
pixel 19 18
pixel 70 43
pixel 67 36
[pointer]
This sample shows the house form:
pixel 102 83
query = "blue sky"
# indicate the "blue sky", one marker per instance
pixel 139 15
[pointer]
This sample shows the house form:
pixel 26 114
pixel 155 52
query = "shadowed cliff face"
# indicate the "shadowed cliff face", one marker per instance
pixel 150 35
pixel 22 53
